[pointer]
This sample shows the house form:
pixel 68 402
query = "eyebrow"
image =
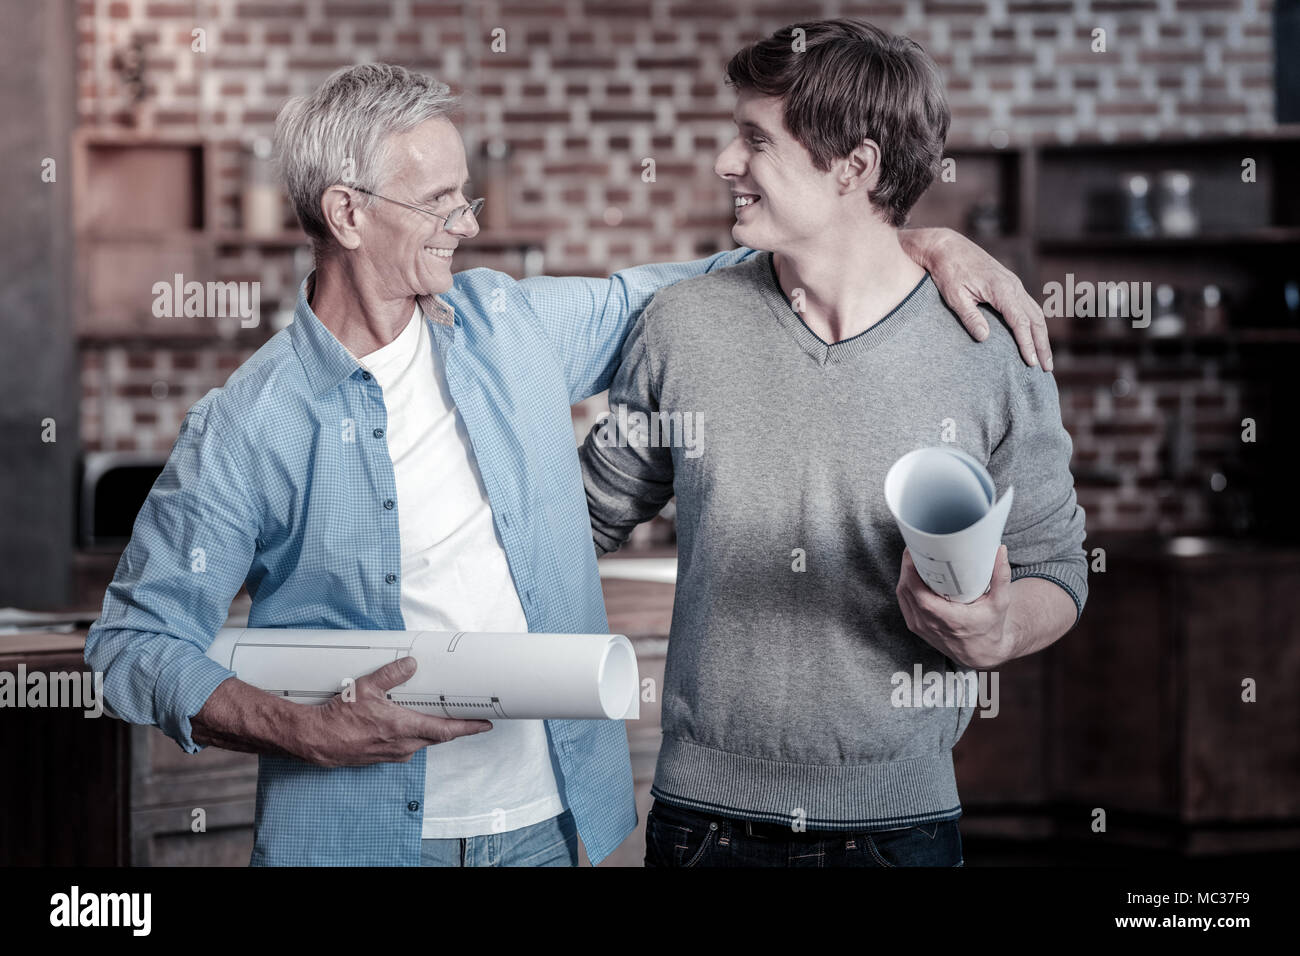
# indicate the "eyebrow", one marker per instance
pixel 741 124
pixel 439 190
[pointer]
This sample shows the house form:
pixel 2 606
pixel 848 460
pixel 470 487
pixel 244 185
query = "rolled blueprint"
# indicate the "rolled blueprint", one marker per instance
pixel 458 674
pixel 943 501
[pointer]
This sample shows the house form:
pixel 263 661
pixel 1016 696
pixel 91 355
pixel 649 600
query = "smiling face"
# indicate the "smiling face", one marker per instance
pixel 410 252
pixel 782 201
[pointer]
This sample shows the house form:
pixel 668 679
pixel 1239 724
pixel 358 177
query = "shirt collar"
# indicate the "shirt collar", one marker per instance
pixel 323 356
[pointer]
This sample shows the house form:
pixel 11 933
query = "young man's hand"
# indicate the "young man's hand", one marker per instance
pixel 975 635
pixel 966 275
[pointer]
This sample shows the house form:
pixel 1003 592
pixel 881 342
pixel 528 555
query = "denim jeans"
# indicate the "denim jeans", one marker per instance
pixel 676 837
pixel 552 842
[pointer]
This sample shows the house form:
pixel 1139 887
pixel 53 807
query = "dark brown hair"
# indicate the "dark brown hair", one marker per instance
pixel 853 81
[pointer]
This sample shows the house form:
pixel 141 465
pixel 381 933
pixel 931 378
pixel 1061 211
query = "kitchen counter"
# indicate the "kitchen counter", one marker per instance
pixel 119 794
pixel 1137 710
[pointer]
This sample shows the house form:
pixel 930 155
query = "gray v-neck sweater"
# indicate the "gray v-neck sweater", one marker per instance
pixel 781 695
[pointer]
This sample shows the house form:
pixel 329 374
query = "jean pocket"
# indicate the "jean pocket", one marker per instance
pixel 674 842
pixel 926 844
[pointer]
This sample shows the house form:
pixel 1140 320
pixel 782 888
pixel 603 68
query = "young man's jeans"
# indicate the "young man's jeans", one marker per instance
pixel 552 842
pixel 679 837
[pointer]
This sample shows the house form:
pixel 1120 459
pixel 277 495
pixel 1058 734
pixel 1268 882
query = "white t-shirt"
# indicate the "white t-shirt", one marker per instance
pixel 455 578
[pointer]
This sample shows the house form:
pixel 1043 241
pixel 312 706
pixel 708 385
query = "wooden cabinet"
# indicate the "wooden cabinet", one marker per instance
pixel 94 791
pixel 1153 722
pixel 168 786
pixel 64 786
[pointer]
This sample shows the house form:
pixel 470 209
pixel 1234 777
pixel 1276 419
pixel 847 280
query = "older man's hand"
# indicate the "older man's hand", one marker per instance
pixel 966 275
pixel 976 635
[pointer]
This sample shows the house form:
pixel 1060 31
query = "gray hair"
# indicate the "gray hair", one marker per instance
pixel 340 134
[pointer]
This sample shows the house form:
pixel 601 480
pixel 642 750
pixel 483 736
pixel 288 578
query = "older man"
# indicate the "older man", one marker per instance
pixel 395 460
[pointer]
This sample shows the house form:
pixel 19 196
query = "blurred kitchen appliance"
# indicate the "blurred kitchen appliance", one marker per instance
pixel 114 486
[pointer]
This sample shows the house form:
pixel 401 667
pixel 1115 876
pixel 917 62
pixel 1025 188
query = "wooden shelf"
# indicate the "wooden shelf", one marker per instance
pixel 1272 235
pixel 1140 339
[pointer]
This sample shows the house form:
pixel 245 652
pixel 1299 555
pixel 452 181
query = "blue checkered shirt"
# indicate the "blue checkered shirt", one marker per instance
pixel 278 481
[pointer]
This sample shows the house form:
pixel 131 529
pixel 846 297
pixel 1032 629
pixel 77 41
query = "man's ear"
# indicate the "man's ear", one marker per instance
pixel 861 167
pixel 339 207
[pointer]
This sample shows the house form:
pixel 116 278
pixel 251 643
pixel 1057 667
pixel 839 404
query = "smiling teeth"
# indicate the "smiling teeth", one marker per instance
pixel 745 201
pixel 443 253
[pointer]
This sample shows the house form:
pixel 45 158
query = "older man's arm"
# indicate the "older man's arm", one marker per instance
pixel 192 545
pixel 967 276
pixel 369 729
pixel 587 319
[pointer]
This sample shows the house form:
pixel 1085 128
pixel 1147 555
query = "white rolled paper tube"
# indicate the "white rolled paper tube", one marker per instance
pixel 942 501
pixel 496 676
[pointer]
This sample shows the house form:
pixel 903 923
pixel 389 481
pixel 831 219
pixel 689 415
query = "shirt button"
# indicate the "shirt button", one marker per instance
pixel 389 504
pixel 390 577
pixel 505 521
pixel 379 433
pixel 413 806
pixel 366 376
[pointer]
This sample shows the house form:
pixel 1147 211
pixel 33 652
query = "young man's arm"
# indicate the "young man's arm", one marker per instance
pixel 626 484
pixel 587 319
pixel 1040 578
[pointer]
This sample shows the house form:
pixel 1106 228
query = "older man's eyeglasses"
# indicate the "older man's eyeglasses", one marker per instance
pixel 473 207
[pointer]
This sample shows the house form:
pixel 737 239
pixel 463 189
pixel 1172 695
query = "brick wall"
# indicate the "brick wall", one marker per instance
pixel 584 91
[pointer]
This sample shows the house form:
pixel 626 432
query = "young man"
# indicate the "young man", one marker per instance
pixel 394 460
pixel 805 376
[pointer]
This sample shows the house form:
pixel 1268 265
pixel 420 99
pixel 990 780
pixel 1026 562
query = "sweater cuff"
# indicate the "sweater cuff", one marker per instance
pixel 1064 574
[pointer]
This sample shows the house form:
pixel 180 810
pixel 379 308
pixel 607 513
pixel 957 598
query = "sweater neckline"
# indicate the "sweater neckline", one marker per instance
pixel 922 297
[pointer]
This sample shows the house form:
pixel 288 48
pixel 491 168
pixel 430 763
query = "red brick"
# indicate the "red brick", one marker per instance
pixel 702 11
pixel 270 11
pixel 575 169
pixel 582 61
pixel 955 9
pixel 621 10
pixel 345 11
pixel 667 63
pixel 1217 109
pixel 874 11
pixel 622 116
pixel 176 117
pixel 433 11
pixel 536 116
pixel 502 61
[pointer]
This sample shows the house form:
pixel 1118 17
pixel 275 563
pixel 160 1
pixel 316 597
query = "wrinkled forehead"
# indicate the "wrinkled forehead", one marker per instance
pixel 427 155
